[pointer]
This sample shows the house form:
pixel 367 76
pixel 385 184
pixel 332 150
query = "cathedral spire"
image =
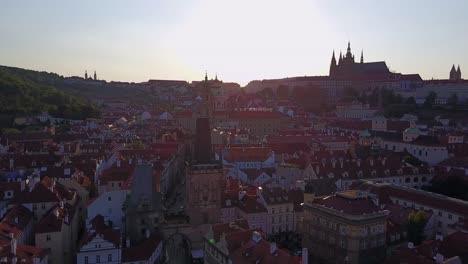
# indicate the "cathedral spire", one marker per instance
pixel 362 56
pixel 453 73
pixel 340 60
pixel 206 76
pixel 86 74
pixel 349 47
pixel 332 64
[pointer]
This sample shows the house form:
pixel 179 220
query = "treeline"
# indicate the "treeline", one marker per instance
pixel 24 92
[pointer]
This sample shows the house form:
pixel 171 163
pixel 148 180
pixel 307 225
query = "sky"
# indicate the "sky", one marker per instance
pixel 238 40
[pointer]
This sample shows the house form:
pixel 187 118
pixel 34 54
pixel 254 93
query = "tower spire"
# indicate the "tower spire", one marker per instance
pixel 206 76
pixel 332 64
pixel 340 60
pixel 362 56
pixel 459 73
pixel 86 74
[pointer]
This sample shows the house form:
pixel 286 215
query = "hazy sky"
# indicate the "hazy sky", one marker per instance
pixel 241 40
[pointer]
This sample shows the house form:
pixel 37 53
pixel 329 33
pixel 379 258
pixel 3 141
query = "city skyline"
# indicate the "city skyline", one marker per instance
pixel 238 41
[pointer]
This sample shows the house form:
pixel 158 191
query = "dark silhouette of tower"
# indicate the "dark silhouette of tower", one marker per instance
pixel 362 56
pixel 453 73
pixel 203 147
pixel 459 76
pixel 333 65
pixel 86 74
pixel 95 76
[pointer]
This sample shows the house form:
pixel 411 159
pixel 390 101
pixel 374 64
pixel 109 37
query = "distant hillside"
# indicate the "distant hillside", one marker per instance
pixel 28 92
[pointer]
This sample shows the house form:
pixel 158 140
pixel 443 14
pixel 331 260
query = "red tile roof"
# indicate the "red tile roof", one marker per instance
pixel 24 254
pixel 240 154
pixel 15 221
pixel 99 228
pixel 142 251
pixel 356 206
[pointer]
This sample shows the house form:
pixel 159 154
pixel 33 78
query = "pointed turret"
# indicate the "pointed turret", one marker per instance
pixel 340 60
pixel 453 73
pixel 362 56
pixel 333 64
pixel 459 76
pixel 206 76
pixel 95 76
pixel 86 74
pixel 216 77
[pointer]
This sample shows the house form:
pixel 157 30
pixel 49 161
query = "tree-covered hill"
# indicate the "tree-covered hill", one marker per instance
pixel 30 92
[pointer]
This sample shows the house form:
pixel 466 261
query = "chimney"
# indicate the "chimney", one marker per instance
pixel 272 247
pixel 439 258
pixel 13 244
pixel 305 256
pixel 127 243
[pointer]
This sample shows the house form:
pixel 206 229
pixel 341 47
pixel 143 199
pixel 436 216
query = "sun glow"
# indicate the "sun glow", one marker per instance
pixel 244 40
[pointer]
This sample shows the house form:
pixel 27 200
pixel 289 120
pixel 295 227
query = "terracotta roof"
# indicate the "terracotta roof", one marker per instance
pixel 385 191
pixel 275 195
pixel 55 218
pixel 243 249
pixel 142 251
pixel 24 254
pixel 99 228
pixel 352 206
pixel 227 228
pixel 250 205
pixel 15 221
pixel 240 154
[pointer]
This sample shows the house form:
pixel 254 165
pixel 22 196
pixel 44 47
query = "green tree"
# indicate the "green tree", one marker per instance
pixel 430 99
pixel 415 227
